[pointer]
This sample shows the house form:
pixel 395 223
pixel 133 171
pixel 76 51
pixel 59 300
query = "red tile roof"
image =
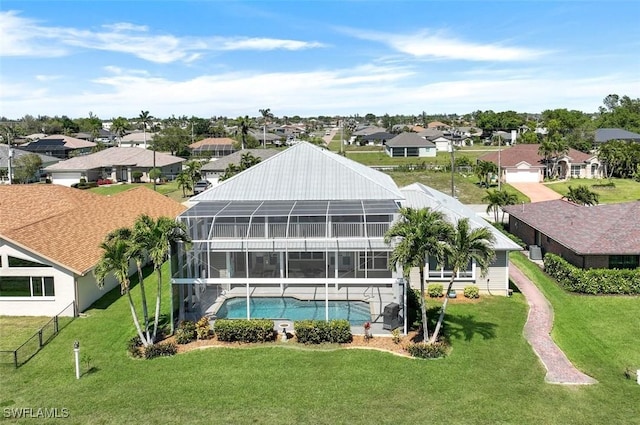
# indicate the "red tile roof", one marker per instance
pixel 512 156
pixel 212 141
pixel 612 229
pixel 66 225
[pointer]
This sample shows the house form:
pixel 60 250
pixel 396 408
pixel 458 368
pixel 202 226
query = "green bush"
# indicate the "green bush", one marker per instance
pixel 137 175
pixel 434 290
pixel 471 292
pixel 395 336
pixel 186 332
pixel 133 346
pixel 319 331
pixel 254 330
pixel 160 350
pixel 424 350
pixel 592 281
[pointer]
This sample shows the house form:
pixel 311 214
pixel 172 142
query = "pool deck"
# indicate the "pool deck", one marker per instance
pixel 377 297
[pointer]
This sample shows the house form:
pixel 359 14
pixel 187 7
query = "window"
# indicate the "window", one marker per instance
pixel 575 170
pixel 26 286
pixel 624 261
pixel 21 262
pixel 376 260
pixel 445 272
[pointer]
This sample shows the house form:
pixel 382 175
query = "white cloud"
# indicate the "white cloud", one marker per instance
pixel 438 45
pixel 45 78
pixel 26 37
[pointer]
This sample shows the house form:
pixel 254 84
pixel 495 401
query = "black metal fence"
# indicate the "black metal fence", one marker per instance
pixel 46 333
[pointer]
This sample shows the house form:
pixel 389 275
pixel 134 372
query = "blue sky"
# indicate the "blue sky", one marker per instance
pixel 308 58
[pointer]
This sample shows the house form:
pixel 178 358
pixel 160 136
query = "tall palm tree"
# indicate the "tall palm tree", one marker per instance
pixel 244 124
pixel 158 236
pixel 484 170
pixel 266 114
pixel 184 182
pixel 417 235
pixel 545 150
pixel 192 169
pixel 463 246
pixel 115 259
pixel 144 118
pixel 496 199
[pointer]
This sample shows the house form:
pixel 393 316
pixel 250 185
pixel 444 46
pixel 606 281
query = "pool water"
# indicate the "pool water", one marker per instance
pixel 356 312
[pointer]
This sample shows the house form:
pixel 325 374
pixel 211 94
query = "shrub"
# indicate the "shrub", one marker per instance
pixel 137 175
pixel 471 292
pixel 134 345
pixel 395 336
pixel 425 350
pixel 254 330
pixel 319 331
pixel 592 281
pixel 160 350
pixel 203 328
pixel 186 332
pixel 435 290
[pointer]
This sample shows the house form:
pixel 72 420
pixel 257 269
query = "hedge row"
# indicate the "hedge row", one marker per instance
pixel 319 331
pixel 254 330
pixel 592 281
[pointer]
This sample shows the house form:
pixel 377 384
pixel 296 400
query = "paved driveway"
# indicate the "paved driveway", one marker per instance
pixel 537 192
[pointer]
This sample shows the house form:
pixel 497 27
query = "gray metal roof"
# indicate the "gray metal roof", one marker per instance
pixel 418 195
pixel 17 153
pixel 305 172
pixel 135 157
pixel 408 140
pixel 606 134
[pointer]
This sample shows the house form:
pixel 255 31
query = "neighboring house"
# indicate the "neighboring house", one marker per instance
pixel 307 223
pixel 601 236
pixel 212 170
pixel 136 139
pixel 103 136
pixel 49 243
pixel 375 139
pixel 266 138
pixel 605 134
pixel 116 164
pixel 523 164
pixel 59 146
pixel 213 147
pixel 438 125
pixel 17 153
pixel 410 144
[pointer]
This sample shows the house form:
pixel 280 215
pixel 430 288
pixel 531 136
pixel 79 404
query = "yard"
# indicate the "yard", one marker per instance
pixel 625 190
pixel 491 375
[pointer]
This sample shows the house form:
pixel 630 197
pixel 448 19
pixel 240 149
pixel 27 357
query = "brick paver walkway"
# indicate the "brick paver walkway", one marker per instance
pixel 537 331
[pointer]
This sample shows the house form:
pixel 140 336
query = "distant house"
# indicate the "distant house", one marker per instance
pixel 523 164
pixel 375 139
pixel 605 134
pixel 213 147
pixel 602 236
pixel 104 136
pixel 59 146
pixel 212 170
pixel 136 139
pixel 17 153
pixel 117 164
pixel 49 243
pixel 438 125
pixel 410 145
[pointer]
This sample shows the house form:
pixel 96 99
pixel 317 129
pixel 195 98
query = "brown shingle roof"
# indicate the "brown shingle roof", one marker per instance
pixel 510 157
pixel 135 157
pixel 212 141
pixel 67 225
pixel 612 229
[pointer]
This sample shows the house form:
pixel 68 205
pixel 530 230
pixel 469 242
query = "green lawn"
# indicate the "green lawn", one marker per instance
pixel 491 376
pixel 169 189
pixel 15 330
pixel 625 190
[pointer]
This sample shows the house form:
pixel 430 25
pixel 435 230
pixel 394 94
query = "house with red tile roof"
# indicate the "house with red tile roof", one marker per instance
pixel 49 243
pixel 214 147
pixel 523 164
pixel 601 236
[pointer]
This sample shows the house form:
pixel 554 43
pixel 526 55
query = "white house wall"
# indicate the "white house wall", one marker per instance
pixel 88 291
pixel 427 152
pixel 65 179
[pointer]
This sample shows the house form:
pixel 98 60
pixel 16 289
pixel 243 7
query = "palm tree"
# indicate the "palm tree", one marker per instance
pixel 144 119
pixel 115 259
pixel 496 199
pixel 417 235
pixel 118 127
pixel 185 182
pixel 244 124
pixel 546 150
pixel 157 237
pixel 266 114
pixel 193 168
pixel 462 246
pixel 484 170
pixel 582 195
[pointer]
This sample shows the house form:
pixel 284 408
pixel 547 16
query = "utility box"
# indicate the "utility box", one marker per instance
pixel 391 316
pixel 535 253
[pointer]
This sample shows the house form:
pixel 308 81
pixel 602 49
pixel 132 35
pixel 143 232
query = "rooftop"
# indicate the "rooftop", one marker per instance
pixel 134 157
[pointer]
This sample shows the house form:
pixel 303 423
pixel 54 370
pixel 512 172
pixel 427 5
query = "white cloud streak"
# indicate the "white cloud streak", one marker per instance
pixel 26 37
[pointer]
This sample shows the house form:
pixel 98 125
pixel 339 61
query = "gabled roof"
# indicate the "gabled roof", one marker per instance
pixel 383 135
pixel 138 136
pixel 134 157
pixel 304 172
pixel 409 140
pixel 211 141
pixel 418 195
pixel 17 153
pixel 69 142
pixel 606 134
pixel 367 130
pixel 602 229
pixel 66 225
pixel 234 158
pixel 512 156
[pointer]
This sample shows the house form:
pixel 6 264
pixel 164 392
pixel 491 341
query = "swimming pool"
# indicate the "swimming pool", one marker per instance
pixel 289 308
